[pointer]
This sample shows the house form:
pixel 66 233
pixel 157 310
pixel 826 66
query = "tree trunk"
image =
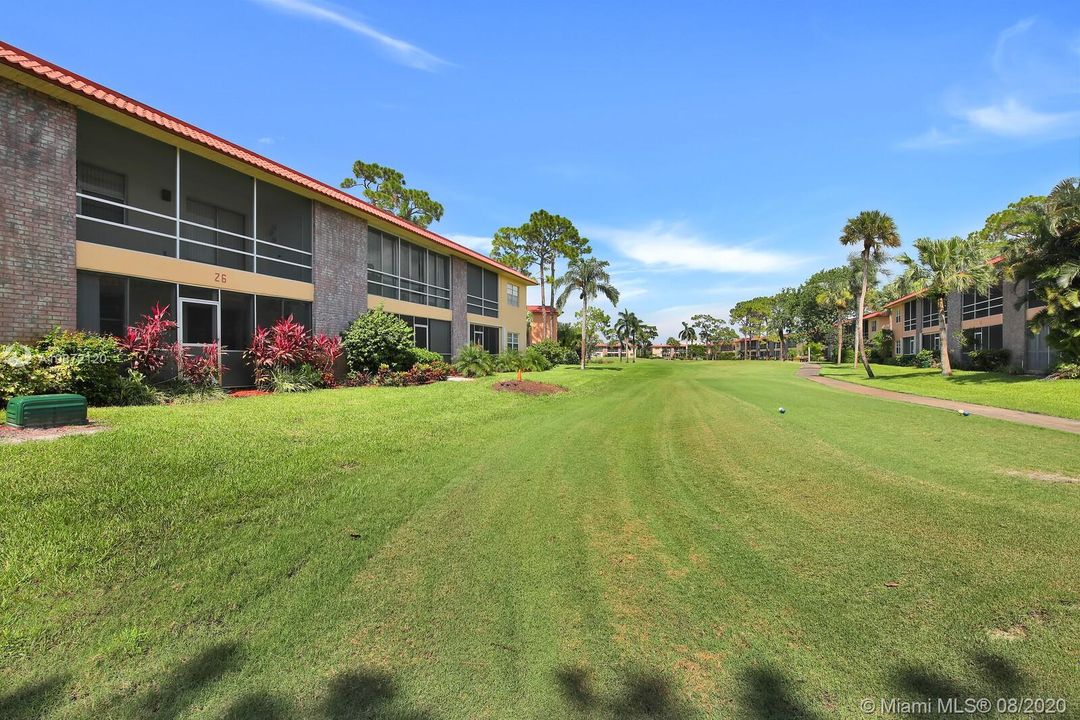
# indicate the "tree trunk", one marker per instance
pixel 584 319
pixel 543 306
pixel 840 343
pixel 782 355
pixel 943 338
pixel 551 292
pixel 860 340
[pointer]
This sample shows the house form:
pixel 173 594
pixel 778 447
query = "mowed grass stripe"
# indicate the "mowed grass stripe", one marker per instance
pixel 657 542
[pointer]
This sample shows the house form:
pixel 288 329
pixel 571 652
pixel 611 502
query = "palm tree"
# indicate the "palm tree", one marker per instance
pixel 689 336
pixel 626 326
pixel 943 267
pixel 874 231
pixel 838 299
pixel 589 277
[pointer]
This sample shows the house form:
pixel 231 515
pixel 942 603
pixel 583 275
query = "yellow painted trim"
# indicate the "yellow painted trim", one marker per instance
pixel 402 307
pixel 118 261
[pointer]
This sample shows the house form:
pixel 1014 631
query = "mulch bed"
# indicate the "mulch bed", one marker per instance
pixel 248 393
pixel 11 435
pixel 528 387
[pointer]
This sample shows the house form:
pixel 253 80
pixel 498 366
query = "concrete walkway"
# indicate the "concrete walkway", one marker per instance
pixel 812 372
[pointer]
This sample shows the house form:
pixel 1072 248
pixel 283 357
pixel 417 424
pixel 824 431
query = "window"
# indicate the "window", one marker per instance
pixel 104 184
pixel 909 345
pixel 512 341
pixel 911 315
pixel 1039 356
pixel 268 310
pixel 897 347
pixel 931 316
pixel 210 246
pixel 931 341
pixel 898 318
pixel 873 326
pixel 399 269
pixel 984 338
pixel 485 336
pixel 433 335
pixel 483 291
pixel 512 295
pixel 977 305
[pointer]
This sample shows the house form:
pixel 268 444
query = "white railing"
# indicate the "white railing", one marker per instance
pixel 178 237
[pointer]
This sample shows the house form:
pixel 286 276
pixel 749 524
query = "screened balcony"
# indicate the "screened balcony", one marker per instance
pixel 140 194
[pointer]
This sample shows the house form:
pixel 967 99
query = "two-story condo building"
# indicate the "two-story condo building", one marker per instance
pixel 108 207
pixel 994 321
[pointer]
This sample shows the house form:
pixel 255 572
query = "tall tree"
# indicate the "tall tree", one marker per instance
pixel 872 231
pixel 751 317
pixel 689 336
pixel 625 325
pixel 509 248
pixel 541 241
pixel 711 331
pixel 956 265
pixel 588 277
pixel 783 312
pixel 384 187
pixel 836 299
pixel 596 326
pixel 1042 245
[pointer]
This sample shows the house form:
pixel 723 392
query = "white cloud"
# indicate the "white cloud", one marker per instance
pixel 478 243
pixel 1013 118
pixel 267 140
pixel 999 57
pixel 932 138
pixel 673 246
pixel 1025 94
pixel 401 51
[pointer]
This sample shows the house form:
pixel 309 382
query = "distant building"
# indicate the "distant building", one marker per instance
pixel 536 324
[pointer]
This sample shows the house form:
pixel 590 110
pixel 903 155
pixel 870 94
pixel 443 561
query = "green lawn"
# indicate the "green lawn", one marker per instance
pixel 1016 392
pixel 658 542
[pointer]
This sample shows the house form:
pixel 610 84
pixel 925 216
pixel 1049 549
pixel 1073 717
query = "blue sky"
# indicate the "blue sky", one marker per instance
pixel 712 152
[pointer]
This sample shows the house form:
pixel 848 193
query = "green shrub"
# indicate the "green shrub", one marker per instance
pixel 1067 371
pixel 880 346
pixel 515 360
pixel 26 371
pixel 181 392
pixel 727 355
pixel 989 360
pixel 94 363
pixel 552 351
pixel 301 378
pixel 379 338
pixel 133 389
pixel 425 357
pixel 537 361
pixel 923 359
pixel 474 361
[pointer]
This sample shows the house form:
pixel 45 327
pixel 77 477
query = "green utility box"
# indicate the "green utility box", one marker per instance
pixel 42 411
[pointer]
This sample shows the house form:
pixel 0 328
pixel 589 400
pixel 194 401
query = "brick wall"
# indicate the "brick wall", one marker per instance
pixel 1014 332
pixel 459 286
pixel 37 213
pixel 339 268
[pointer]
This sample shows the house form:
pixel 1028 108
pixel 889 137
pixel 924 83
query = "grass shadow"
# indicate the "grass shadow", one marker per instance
pixel 259 706
pixel 176 693
pixel 33 699
pixel 366 694
pixel 998 677
pixel 641 695
pixel 769 695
